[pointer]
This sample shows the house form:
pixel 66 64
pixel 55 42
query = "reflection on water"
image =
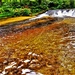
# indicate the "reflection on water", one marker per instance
pixel 47 50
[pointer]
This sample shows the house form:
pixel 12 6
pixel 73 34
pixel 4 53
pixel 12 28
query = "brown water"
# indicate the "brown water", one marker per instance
pixel 45 50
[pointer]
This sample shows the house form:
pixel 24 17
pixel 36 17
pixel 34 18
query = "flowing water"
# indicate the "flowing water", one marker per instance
pixel 38 47
pixel 58 13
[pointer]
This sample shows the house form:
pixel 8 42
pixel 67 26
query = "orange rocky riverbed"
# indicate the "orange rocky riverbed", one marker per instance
pixel 41 47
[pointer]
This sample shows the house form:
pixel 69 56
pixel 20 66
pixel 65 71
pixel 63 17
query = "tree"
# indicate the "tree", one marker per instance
pixel 0 2
pixel 20 1
pixel 39 1
pixel 71 3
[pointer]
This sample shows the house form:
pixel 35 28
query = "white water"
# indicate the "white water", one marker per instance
pixel 57 13
pixel 64 13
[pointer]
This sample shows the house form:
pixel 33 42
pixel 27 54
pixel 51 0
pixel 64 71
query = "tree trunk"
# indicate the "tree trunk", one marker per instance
pixel 0 2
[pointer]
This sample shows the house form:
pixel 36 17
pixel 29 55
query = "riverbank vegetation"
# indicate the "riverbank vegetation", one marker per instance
pixel 13 8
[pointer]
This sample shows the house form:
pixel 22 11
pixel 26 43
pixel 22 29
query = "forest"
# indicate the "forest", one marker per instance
pixel 13 8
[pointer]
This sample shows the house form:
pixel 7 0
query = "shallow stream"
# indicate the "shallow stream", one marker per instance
pixel 41 47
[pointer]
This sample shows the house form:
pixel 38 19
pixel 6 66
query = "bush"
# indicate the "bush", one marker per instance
pixel 26 12
pixel 22 12
pixel 35 9
pixel 52 4
pixel 24 8
pixel 10 12
pixel 15 4
pixel 6 14
pixel 39 8
pixel 59 5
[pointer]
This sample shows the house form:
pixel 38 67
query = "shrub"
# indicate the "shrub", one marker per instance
pixel 22 12
pixel 17 11
pixel 59 5
pixel 11 12
pixel 26 12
